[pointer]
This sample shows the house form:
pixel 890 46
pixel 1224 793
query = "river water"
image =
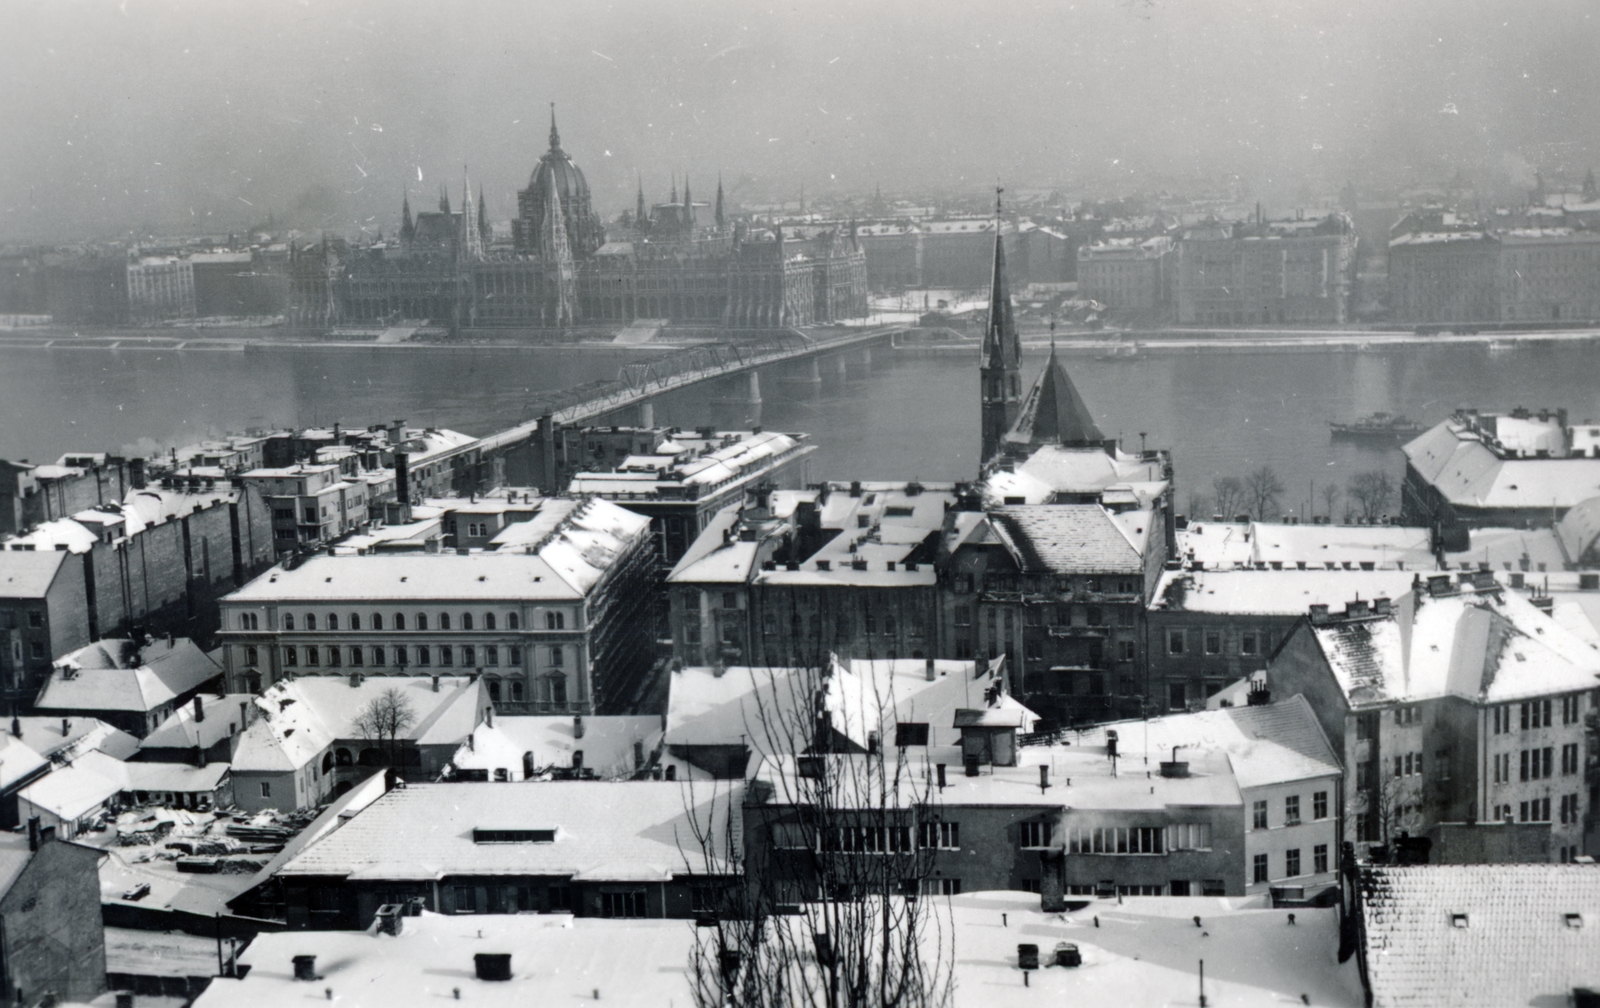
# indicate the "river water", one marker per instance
pixel 902 416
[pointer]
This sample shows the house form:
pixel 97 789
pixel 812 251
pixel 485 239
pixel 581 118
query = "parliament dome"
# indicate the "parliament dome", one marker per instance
pixel 570 184
pixel 556 174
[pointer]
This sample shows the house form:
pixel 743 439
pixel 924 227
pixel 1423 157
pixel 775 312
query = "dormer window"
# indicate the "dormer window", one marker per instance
pixel 1458 920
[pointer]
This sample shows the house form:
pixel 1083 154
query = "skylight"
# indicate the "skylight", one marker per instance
pixel 513 836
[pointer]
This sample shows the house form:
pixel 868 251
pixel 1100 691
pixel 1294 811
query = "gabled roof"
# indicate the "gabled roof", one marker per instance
pixel 605 831
pixel 1053 412
pixel 1489 935
pixel 29 573
pixel 182 731
pixel 1072 538
pixel 608 743
pixel 45 736
pixel 116 675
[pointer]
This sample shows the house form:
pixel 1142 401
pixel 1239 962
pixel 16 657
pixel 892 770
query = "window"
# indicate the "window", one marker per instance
pixel 1258 868
pixel 1570 707
pixel 941 835
pixel 355 621
pixel 288 621
pixel 266 789
pixel 1291 810
pixel 1319 858
pixel 422 622
pixel 248 621
pixel 557 655
pixel 488 621
pixel 444 622
pixel 1175 642
pixel 1189 836
pixel 1538 764
pixel 1126 650
pixel 1569 759
pixel 1258 815
pixel 469 655
pixel 1569 808
pixel 291 656
pixel 1035 834
pixel 356 657
pixel 1364 827
pixel 377 621
pixel 312 655
pixel 311 621
pixel 446 655
pixel 790 836
pixel 1213 642
pixel 1177 695
pixel 424 655
pixel 512 621
pixel 36 620
pixel 377 656
pixel 941 887
pixel 335 656
pixel 1248 643
pixel 333 621
pixel 513 836
pixel 1319 805
pixel 1366 727
pixel 1291 862
pixel 466 899
pixel 909 733
pixel 554 620
pixel 466 621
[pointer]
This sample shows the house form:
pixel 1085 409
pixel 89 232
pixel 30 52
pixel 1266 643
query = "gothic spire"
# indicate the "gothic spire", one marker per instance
pixel 674 198
pixel 471 237
pixel 555 137
pixel 444 199
pixel 1000 373
pixel 688 206
pixel 720 219
pixel 639 216
pixel 483 217
pixel 556 252
pixel 407 229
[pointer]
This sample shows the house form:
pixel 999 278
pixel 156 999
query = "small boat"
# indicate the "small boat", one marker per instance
pixel 1378 425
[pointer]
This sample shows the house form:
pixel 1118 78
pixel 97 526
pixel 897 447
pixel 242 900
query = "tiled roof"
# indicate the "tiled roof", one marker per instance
pixel 604 831
pixel 1053 412
pixel 1066 539
pixel 1515 944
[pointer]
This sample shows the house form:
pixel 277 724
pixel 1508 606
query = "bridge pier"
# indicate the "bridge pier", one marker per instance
pixel 807 372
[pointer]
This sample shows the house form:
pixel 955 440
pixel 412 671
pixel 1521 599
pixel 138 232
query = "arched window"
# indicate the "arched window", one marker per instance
pixel 291 656
pixel 494 690
pixel 356 657
pixel 341 756
pixel 252 682
pixel 252 656
pixel 422 621
pixel 333 621
pixel 355 621
pixel 377 621
pixel 516 656
pixel 312 655
pixel 516 691
pixel 311 621
pixel 335 656
pixel 444 621
pixel 491 654
pixel 466 621
pixel 488 621
pixel 327 761
pixel 288 621
pixel 558 689
pixel 377 655
pixel 512 621
pixel 554 620
pixel 558 655
pixel 399 621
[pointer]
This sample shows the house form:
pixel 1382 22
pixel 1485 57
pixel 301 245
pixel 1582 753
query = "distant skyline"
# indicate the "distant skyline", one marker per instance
pixel 183 115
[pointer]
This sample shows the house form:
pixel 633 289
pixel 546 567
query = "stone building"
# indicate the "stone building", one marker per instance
pixel 1128 274
pixel 51 935
pixel 1267 272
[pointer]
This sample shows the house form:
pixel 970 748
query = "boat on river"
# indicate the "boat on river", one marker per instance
pixel 1378 426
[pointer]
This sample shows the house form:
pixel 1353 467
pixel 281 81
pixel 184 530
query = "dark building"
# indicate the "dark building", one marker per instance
pixel 1000 372
pixel 51 938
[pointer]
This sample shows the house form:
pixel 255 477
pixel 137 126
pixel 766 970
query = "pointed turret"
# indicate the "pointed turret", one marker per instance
pixel 688 208
pixel 483 218
pixel 471 237
pixel 444 199
pixel 555 137
pixel 721 220
pixel 408 230
pixel 1001 367
pixel 1053 413
pixel 639 215
pixel 674 198
pixel 556 252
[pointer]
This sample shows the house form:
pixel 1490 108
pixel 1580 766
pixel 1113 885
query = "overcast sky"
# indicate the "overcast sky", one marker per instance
pixel 181 115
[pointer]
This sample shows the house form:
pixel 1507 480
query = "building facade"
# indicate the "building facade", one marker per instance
pixel 1267 272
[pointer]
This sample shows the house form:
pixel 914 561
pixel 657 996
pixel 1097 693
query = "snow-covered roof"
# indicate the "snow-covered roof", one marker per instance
pixel 1273 592
pixel 1073 538
pixel 181 731
pixel 1241 544
pixel 302 717
pixel 1454 458
pixel 1481 935
pixel 416 577
pixel 77 789
pixel 29 573
pixel 1485 645
pixel 555 959
pixel 116 675
pixel 18 761
pixel 608 743
pixel 604 831
pixel 45 735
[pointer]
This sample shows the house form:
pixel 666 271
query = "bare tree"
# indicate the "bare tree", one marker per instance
pixel 384 719
pixel 839 842
pixel 1197 505
pixel 1372 491
pixel 1331 493
pixel 1228 492
pixel 1262 488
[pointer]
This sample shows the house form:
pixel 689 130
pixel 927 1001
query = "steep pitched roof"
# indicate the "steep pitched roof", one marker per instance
pixel 114 675
pixel 1481 934
pixel 1068 539
pixel 1053 412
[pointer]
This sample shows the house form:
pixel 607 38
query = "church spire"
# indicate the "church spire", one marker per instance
pixel 556 252
pixel 1001 368
pixel 555 137
pixel 444 199
pixel 639 215
pixel 471 237
pixel 674 198
pixel 720 219
pixel 483 217
pixel 407 229
pixel 688 207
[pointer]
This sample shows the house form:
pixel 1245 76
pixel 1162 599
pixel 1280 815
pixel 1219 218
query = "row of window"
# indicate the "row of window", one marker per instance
pixel 967 583
pixel 1534 714
pixel 1261 864
pixel 358 656
pixel 1210 642
pixel 1291 810
pixel 419 621
pixel 1537 810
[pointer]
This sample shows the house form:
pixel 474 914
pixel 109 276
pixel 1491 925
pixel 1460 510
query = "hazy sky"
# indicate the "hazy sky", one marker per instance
pixel 180 115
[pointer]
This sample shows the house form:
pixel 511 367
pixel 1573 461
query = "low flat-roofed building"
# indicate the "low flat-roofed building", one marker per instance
pixel 550 960
pixel 1211 627
pixel 1217 545
pixel 1474 935
pixel 518 747
pixel 593 848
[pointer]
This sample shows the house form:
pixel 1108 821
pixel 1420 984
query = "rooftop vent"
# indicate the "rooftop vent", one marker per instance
pixel 1458 920
pixel 480 835
pixel 305 967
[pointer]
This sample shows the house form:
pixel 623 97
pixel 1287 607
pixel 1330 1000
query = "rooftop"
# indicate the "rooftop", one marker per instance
pixel 603 831
pixel 1224 545
pixel 514 741
pixel 1490 935
pixel 1273 592
pixel 118 675
pixel 1073 538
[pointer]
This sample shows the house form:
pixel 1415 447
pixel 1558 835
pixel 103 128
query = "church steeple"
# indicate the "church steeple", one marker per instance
pixel 483 217
pixel 674 198
pixel 1053 413
pixel 444 199
pixel 1001 368
pixel 407 229
pixel 639 215
pixel 720 219
pixel 471 237
pixel 688 207
pixel 555 137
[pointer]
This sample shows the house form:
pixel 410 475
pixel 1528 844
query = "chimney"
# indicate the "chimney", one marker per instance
pixel 1439 585
pixel 970 762
pixel 1355 609
pixel 1319 612
pixel 855 488
pixel 305 967
pixel 402 484
pixel 1381 606
pixel 33 833
pixel 493 965
pixel 199 710
pixel 1259 695
pixel 1174 767
pixel 16 727
pixel 577 726
pixel 928 671
pixel 397 433
pixel 66 727
pixel 1044 778
pixel 355 679
pixel 488 716
pixel 390 919
pixel 940 768
pixel 436 684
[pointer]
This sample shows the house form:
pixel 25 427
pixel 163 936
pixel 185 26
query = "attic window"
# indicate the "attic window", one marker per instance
pixel 513 836
pixel 327 579
pixel 1574 920
pixel 1458 920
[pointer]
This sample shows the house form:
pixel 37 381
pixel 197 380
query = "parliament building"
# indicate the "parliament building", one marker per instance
pixel 683 262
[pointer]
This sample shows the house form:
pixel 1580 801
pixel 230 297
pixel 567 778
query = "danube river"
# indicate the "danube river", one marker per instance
pixel 902 417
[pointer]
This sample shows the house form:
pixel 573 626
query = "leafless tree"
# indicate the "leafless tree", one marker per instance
pixel 1372 491
pixel 1331 493
pixel 384 719
pixel 1197 505
pixel 831 911
pixel 1262 488
pixel 1228 492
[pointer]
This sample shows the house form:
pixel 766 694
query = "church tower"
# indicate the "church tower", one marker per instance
pixel 1000 369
